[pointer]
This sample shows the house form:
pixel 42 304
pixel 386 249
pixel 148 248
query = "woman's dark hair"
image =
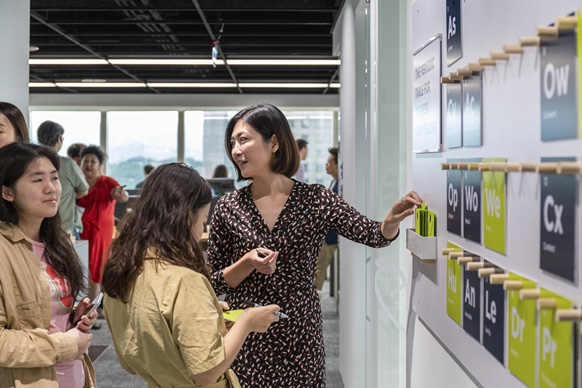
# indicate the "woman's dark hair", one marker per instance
pixel 93 150
pixel 159 227
pixel 75 149
pixel 333 152
pixel 14 160
pixel 268 120
pixel 16 118
pixel 220 171
pixel 48 133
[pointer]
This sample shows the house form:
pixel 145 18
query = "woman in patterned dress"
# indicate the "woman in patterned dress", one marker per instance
pixel 285 221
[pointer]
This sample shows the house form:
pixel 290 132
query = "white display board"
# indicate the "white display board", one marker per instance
pixel 426 97
pixel 512 130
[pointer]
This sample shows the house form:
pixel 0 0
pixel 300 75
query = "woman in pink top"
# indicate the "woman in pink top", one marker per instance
pixel 40 278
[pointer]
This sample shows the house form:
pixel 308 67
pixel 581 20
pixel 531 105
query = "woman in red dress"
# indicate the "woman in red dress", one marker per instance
pixel 97 218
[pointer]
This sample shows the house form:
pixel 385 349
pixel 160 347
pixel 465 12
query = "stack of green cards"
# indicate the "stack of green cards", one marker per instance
pixel 425 221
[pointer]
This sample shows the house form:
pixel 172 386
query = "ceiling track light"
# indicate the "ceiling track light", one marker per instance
pixel 197 85
pixel 181 62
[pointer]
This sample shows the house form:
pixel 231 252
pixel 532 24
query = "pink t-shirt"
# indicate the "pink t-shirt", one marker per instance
pixel 70 374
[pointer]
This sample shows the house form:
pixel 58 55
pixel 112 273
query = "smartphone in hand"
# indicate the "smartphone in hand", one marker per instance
pixel 83 309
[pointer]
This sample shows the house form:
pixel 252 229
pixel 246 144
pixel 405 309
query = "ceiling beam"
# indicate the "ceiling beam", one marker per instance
pixel 57 29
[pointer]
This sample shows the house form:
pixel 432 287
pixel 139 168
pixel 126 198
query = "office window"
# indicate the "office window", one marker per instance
pixel 135 139
pixel 204 141
pixel 316 127
pixel 80 127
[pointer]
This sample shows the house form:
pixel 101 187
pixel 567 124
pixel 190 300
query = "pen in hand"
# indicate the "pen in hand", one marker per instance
pixel 278 313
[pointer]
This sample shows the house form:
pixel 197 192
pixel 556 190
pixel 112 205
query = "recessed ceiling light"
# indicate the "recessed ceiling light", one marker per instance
pixel 70 61
pixel 33 49
pixel 183 62
pixel 165 62
pixel 191 84
pixel 101 84
pixel 283 62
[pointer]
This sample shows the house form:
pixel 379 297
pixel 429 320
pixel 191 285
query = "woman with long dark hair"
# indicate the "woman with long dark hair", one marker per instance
pixel 164 317
pixel 264 242
pixel 40 276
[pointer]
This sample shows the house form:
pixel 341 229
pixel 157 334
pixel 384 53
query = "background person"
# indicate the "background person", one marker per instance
pixel 72 180
pixel 220 171
pixel 40 276
pixel 97 218
pixel 164 317
pixel 74 152
pixel 286 221
pixel 147 170
pixel 302 146
pixel 330 245
pixel 12 125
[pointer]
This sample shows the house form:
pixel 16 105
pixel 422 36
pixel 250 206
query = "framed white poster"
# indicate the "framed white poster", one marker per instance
pixel 426 97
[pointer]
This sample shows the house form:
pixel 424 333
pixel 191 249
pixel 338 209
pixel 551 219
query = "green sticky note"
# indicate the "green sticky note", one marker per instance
pixel 232 315
pixel 417 222
pixel 431 224
pixel 494 206
pixel 555 347
pixel 454 292
pixel 521 334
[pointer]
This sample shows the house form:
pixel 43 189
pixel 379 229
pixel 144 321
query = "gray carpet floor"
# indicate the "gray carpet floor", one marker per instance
pixel 110 375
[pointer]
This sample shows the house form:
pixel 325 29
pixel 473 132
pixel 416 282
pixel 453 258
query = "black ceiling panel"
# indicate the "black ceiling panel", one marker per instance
pixel 109 29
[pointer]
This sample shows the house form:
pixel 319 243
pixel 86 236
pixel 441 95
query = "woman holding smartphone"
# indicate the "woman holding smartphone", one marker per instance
pixel 40 278
pixel 164 317
pixel 286 221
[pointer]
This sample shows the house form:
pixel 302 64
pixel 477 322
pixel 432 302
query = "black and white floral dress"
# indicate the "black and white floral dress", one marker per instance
pixel 291 352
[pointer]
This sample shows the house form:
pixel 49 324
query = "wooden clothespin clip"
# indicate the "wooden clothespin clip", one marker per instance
pixel 499 56
pixel 476 67
pixel 477 265
pixel 498 278
pixel 547 168
pixel 513 49
pixel 512 285
pixel 529 294
pixel 497 166
pixel 463 166
pixel 445 166
pixel 529 41
pixel 447 80
pixel 473 166
pixel 464 72
pixel 571 315
pixel 546 303
pixel 484 167
pixel 466 259
pixel 446 251
pixel 487 62
pixel 485 272
pixel 548 32
pixel 512 167
pixel 528 167
pixel 455 255
pixel 569 168
pixel 566 23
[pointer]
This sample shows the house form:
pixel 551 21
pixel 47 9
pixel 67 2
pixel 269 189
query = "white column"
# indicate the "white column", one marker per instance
pixel 352 256
pixel 14 45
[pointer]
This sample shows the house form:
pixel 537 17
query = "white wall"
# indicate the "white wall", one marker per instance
pixel 14 46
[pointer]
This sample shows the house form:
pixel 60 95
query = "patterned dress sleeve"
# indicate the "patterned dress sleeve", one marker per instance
pixel 220 252
pixel 348 222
